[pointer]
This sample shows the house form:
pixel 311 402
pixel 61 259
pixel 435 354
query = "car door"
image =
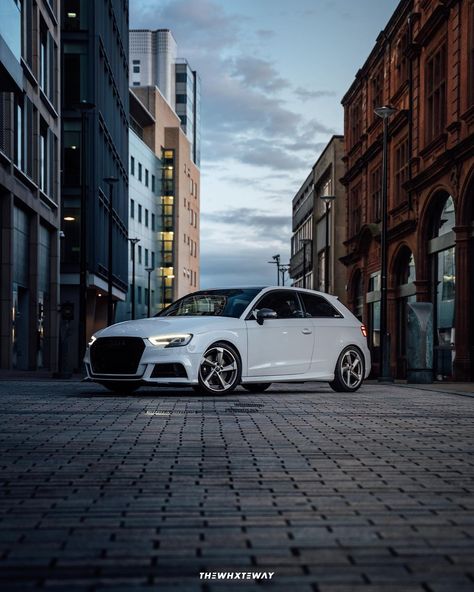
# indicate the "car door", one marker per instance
pixel 282 345
pixel 328 326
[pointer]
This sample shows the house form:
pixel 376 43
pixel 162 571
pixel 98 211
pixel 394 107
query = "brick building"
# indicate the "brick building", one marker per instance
pixel 423 65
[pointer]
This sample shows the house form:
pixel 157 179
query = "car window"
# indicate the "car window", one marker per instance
pixel 283 302
pixel 317 306
pixel 225 303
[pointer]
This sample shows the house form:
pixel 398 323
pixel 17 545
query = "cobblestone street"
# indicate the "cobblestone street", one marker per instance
pixel 331 492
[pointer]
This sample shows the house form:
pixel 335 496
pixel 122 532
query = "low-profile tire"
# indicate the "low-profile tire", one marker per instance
pixel 220 369
pixel 256 387
pixel 121 388
pixel 349 371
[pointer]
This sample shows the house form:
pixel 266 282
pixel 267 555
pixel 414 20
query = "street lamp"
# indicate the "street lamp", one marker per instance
pixel 305 241
pixel 83 107
pixel 111 181
pixel 384 113
pixel 133 242
pixel 283 269
pixel 327 199
pixel 149 270
pixel 276 261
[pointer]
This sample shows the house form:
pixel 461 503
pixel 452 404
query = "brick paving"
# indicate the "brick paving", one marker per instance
pixel 331 492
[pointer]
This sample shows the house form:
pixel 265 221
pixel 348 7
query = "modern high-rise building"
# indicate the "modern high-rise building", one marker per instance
pixel 95 112
pixel 154 62
pixel 29 183
pixel 178 235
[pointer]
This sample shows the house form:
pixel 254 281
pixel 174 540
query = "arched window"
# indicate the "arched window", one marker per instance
pixel 441 248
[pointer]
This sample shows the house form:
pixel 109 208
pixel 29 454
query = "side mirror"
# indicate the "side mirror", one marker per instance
pixel 264 313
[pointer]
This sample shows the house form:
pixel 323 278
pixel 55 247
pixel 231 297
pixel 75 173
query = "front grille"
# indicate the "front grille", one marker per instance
pixel 116 355
pixel 169 371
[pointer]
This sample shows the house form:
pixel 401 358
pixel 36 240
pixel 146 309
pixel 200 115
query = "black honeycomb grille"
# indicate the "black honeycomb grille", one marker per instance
pixel 116 355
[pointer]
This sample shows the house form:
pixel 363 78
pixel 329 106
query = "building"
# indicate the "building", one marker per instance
pixel 29 183
pixel 423 65
pixel 308 244
pixel 154 62
pixel 179 198
pixel 95 114
pixel 144 224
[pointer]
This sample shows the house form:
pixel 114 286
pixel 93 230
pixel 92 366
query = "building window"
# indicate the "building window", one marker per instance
pixel 355 118
pixel 139 294
pixel 180 98
pixel 146 177
pixel 132 208
pixel 355 211
pixel 74 74
pixel 146 257
pixel 153 222
pixel 43 159
pixel 135 62
pixel 146 217
pixel 153 183
pixel 376 85
pixel 139 213
pixel 401 171
pixel 136 69
pixel 376 193
pixel 471 54
pixel 139 255
pixel 321 270
pixel 435 74
pixel 153 259
pixel 401 58
pixel 132 165
pixel 139 171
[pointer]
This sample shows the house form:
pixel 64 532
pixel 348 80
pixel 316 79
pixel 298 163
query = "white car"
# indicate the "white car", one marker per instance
pixel 214 340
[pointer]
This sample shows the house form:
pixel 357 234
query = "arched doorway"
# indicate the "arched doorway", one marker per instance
pixel 405 292
pixel 441 249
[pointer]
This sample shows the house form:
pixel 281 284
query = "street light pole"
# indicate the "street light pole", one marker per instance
pixel 111 181
pixel 84 107
pixel 133 242
pixel 305 241
pixel 276 261
pixel 385 374
pixel 327 199
pixel 149 270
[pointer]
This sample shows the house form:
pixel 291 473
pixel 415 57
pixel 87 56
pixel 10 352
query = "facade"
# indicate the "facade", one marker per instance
pixel 95 146
pixel 309 225
pixel 29 183
pixel 144 222
pixel 423 65
pixel 154 62
pixel 179 198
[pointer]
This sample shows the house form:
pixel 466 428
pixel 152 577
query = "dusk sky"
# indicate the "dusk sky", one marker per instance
pixel 273 74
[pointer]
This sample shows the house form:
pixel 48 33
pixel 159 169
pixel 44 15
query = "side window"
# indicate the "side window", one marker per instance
pixel 284 303
pixel 318 306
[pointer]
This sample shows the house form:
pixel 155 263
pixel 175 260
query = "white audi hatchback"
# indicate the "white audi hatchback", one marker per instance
pixel 214 340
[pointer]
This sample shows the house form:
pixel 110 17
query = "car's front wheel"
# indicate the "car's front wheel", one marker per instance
pixel 220 369
pixel 349 371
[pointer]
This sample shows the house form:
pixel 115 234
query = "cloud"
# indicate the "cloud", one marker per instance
pixel 273 225
pixel 306 95
pixel 264 34
pixel 258 73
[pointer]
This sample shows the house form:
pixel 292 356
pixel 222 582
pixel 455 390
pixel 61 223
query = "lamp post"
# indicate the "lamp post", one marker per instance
pixel 149 270
pixel 305 241
pixel 385 375
pixel 276 261
pixel 327 199
pixel 83 107
pixel 133 242
pixel 111 181
pixel 283 269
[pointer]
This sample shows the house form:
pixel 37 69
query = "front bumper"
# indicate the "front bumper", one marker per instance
pixel 154 360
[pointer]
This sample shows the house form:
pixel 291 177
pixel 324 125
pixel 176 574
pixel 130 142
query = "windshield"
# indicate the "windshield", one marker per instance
pixel 214 303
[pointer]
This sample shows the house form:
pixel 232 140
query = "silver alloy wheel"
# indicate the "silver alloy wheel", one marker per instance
pixel 351 368
pixel 218 369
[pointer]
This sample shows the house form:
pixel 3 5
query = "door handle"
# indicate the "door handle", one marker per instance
pixel 306 331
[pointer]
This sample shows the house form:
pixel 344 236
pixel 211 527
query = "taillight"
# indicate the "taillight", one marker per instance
pixel 363 329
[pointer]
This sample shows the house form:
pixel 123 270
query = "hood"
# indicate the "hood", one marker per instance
pixel 167 325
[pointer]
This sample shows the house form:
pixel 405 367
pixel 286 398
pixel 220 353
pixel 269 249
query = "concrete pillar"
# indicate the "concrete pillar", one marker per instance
pixel 463 310
pixel 6 273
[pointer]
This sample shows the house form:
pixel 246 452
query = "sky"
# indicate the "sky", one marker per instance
pixel 272 74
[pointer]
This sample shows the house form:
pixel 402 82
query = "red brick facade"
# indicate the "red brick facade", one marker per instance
pixel 423 65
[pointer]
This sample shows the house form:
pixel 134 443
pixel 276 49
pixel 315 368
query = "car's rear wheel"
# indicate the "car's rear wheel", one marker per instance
pixel 121 388
pixel 220 369
pixel 256 387
pixel 349 371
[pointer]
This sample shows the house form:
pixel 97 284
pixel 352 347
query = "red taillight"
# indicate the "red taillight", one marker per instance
pixel 363 329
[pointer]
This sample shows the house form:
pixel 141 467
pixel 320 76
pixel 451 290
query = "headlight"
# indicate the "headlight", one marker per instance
pixel 91 340
pixel 171 340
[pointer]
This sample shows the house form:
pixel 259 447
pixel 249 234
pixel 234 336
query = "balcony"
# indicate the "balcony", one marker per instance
pixel 296 262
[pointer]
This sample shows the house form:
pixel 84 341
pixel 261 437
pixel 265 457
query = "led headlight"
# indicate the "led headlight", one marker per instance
pixel 171 340
pixel 91 340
